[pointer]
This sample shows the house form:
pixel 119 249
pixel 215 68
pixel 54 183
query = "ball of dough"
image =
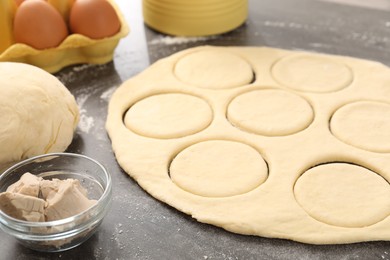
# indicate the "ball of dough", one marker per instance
pixel 38 114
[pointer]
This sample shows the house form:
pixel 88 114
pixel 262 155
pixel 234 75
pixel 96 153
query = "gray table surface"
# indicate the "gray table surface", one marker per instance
pixel 140 227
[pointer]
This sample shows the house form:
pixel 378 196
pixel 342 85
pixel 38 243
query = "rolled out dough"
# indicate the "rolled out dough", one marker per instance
pixel 262 141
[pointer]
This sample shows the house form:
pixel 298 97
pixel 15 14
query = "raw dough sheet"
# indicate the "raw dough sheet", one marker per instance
pixel 262 141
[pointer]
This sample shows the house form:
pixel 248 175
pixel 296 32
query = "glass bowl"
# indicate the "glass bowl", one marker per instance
pixel 67 233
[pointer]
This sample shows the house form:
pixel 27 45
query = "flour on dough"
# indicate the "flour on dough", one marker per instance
pixel 298 151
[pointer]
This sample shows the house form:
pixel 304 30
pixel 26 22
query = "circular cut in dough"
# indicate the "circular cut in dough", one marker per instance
pixel 37 113
pixel 344 195
pixel 168 116
pixel 270 112
pixel 214 70
pixel 312 73
pixel 210 180
pixel 363 124
pixel 218 168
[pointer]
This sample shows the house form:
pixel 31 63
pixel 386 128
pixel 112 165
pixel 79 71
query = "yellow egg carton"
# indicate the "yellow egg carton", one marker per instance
pixel 75 49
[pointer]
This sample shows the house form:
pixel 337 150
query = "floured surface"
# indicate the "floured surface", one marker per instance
pixel 279 204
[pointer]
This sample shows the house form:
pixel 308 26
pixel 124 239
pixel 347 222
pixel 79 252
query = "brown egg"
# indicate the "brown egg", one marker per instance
pixel 39 25
pixel 18 2
pixel 95 19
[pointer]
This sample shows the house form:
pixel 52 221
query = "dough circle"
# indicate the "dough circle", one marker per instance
pixel 343 195
pixel 363 124
pixel 37 113
pixel 199 170
pixel 168 116
pixel 312 73
pixel 270 112
pixel 214 70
